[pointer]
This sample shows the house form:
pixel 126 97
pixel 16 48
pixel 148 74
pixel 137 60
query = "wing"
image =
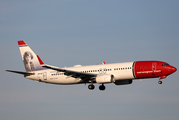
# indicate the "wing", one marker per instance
pixel 85 77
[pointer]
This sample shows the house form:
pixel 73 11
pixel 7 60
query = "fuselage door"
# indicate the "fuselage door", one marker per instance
pixel 154 66
pixel 45 75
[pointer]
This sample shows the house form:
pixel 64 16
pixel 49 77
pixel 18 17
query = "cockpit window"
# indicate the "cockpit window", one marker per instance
pixel 165 65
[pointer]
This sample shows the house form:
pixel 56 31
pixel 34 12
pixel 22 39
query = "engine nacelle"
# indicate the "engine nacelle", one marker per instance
pixel 123 82
pixel 105 78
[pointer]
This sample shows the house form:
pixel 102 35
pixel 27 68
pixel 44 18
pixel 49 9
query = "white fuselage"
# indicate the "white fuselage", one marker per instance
pixel 117 73
pixel 120 71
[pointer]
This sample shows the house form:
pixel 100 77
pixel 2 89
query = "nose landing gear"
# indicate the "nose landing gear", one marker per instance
pixel 161 77
pixel 159 82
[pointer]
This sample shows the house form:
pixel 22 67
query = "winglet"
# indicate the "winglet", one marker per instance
pixel 40 61
pixel 21 43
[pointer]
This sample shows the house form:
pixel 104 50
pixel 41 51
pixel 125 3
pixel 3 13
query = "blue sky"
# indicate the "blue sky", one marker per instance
pixel 70 32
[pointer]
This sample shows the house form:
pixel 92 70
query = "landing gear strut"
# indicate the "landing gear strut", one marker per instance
pixel 102 87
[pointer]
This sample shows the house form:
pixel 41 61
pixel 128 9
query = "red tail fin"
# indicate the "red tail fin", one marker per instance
pixel 21 43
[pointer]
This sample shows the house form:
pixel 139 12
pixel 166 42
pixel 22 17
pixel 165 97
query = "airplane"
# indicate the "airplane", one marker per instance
pixel 117 73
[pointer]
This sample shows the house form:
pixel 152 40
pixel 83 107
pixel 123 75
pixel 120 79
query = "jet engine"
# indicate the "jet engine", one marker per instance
pixel 105 78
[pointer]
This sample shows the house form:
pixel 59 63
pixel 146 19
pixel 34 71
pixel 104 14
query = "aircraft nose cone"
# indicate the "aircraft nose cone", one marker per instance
pixel 173 69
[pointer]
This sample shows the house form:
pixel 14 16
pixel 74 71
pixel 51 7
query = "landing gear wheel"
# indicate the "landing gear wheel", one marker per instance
pixel 91 87
pixel 102 87
pixel 159 82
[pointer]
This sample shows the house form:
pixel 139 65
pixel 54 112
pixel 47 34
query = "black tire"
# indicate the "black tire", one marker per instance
pixel 159 82
pixel 102 87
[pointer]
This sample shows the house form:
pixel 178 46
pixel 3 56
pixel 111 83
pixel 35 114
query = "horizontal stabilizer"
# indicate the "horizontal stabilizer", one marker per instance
pixel 23 73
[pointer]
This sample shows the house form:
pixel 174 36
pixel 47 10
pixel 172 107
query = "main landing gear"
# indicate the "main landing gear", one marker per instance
pixel 91 87
pixel 101 87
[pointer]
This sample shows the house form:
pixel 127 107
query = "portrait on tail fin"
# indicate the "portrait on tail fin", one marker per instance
pixel 27 59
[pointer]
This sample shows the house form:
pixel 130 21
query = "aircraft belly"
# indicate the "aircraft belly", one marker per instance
pixel 70 80
pixel 64 80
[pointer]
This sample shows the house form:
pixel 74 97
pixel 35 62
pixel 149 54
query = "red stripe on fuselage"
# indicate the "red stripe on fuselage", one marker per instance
pixel 150 69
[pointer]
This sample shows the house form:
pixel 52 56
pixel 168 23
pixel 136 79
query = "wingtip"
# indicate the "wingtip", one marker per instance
pixel 40 61
pixel 21 42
